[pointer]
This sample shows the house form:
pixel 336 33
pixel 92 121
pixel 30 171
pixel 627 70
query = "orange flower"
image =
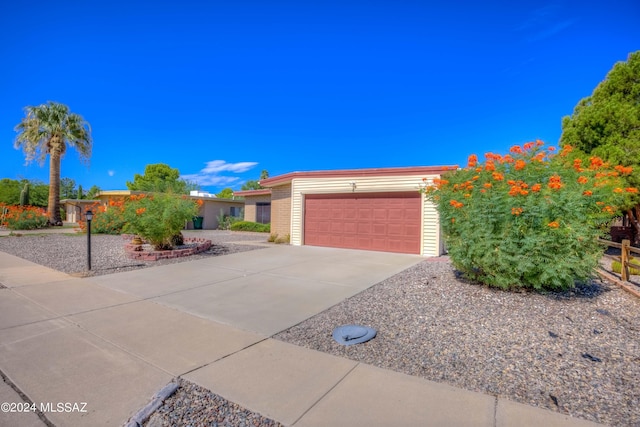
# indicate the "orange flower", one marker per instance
pixel 440 182
pixel 199 202
pixel 473 161
pixel 490 166
pixel 516 211
pixel 140 211
pixel 475 177
pixel 539 143
pixel 520 164
pixel 554 182
pixel 453 220
pixel 587 193
pixel 456 204
pixel 536 187
pixel 498 176
pixel 551 149
pixel 624 170
pixel 617 190
pixel 487 185
pixel 516 149
pixel 553 224
pixel 566 150
pixel 583 179
pixel 507 159
pixel 608 209
pixel 596 162
pixel 528 146
pixel 631 190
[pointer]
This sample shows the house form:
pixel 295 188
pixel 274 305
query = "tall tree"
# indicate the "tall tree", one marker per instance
pixel 160 178
pixel 607 123
pixel 47 130
pixel 67 188
pixel 93 191
pixel 225 193
pixel 255 184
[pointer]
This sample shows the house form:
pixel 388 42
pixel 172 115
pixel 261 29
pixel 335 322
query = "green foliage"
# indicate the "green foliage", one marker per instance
pixel 528 220
pixel 10 191
pixel 93 192
pixel 24 195
pixel 67 188
pixel 225 221
pixel 616 266
pixel 24 217
pixel 160 178
pixel 253 184
pixel 159 217
pixel 80 194
pixel 109 221
pixel 607 123
pixel 226 193
pixel 251 226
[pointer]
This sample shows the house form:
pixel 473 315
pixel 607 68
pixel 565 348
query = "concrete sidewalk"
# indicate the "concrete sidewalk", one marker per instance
pixel 105 345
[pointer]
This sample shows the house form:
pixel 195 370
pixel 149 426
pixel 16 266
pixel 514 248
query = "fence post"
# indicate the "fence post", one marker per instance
pixel 624 259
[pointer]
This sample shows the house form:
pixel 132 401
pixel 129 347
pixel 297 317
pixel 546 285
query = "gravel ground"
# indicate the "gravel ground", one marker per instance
pixel 67 252
pixel 577 352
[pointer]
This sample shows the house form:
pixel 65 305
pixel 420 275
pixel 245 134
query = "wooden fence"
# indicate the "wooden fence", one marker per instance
pixel 624 258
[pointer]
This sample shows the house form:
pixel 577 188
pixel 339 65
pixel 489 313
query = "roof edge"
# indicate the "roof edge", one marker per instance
pixel 344 173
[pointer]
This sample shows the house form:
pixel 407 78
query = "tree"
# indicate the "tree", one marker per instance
pixel 47 130
pixel 253 184
pixel 160 178
pixel 607 123
pixel 67 188
pixel 93 191
pixel 226 193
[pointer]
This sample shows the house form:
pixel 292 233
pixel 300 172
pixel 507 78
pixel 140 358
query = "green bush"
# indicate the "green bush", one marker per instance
pixel 158 218
pixel 616 266
pixel 109 221
pixel 24 217
pixel 251 226
pixel 528 219
pixel 225 221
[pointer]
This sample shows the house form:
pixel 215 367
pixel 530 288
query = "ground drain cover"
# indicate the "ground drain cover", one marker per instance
pixel 353 334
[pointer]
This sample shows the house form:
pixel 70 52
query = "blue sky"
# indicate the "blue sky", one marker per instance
pixel 224 89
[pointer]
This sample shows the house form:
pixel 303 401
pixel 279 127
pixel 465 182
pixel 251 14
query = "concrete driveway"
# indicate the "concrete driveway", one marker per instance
pixel 263 291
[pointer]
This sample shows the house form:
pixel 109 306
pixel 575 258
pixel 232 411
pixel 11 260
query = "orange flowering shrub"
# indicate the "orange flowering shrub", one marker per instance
pixel 530 218
pixel 23 217
pixel 106 219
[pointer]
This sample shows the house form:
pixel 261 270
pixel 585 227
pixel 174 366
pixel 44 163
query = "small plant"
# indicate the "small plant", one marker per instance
pixel 284 239
pixel 272 237
pixel 251 226
pixel 616 266
pixel 225 221
pixel 158 218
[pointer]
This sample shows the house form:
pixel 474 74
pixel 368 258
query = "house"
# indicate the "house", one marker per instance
pixel 375 209
pixel 210 209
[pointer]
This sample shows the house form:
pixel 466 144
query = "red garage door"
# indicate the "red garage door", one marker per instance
pixel 387 222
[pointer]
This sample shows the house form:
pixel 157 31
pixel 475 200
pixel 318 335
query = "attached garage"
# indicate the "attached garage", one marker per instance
pixel 371 209
pixel 387 222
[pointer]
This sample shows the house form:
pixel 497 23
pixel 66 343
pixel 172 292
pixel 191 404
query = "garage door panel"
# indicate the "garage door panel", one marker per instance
pixel 379 221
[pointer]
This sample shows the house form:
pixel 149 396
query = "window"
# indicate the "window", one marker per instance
pixel 263 213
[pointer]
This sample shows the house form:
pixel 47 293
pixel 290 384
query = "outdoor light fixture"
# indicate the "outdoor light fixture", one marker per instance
pixel 353 185
pixel 89 216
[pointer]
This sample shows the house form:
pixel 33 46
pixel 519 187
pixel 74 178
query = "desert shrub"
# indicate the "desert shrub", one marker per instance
pixel 24 217
pixel 251 226
pixel 634 269
pixel 283 239
pixel 225 221
pixel 529 219
pixel 272 237
pixel 159 217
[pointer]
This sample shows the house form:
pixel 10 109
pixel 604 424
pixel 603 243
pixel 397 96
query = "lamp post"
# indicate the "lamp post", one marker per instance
pixel 89 216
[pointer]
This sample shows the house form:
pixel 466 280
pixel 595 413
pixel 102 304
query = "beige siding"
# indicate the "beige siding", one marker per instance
pixel 281 210
pixel 210 210
pixel 430 241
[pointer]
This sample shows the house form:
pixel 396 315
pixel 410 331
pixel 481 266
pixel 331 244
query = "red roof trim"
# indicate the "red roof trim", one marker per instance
pixel 344 173
pixel 249 193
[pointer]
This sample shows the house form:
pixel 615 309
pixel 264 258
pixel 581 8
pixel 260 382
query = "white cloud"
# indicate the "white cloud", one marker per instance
pixel 215 166
pixel 209 175
pixel 111 172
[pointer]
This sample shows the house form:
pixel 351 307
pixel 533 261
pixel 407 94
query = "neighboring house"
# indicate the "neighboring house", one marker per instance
pixel 210 209
pixel 75 208
pixel 257 205
pixel 374 209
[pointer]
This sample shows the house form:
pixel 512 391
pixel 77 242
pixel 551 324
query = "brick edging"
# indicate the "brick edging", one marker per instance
pixel 202 245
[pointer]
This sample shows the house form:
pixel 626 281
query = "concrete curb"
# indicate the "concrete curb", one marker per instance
pixel 156 401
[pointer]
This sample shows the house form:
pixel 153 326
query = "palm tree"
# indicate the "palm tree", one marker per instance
pixel 47 130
